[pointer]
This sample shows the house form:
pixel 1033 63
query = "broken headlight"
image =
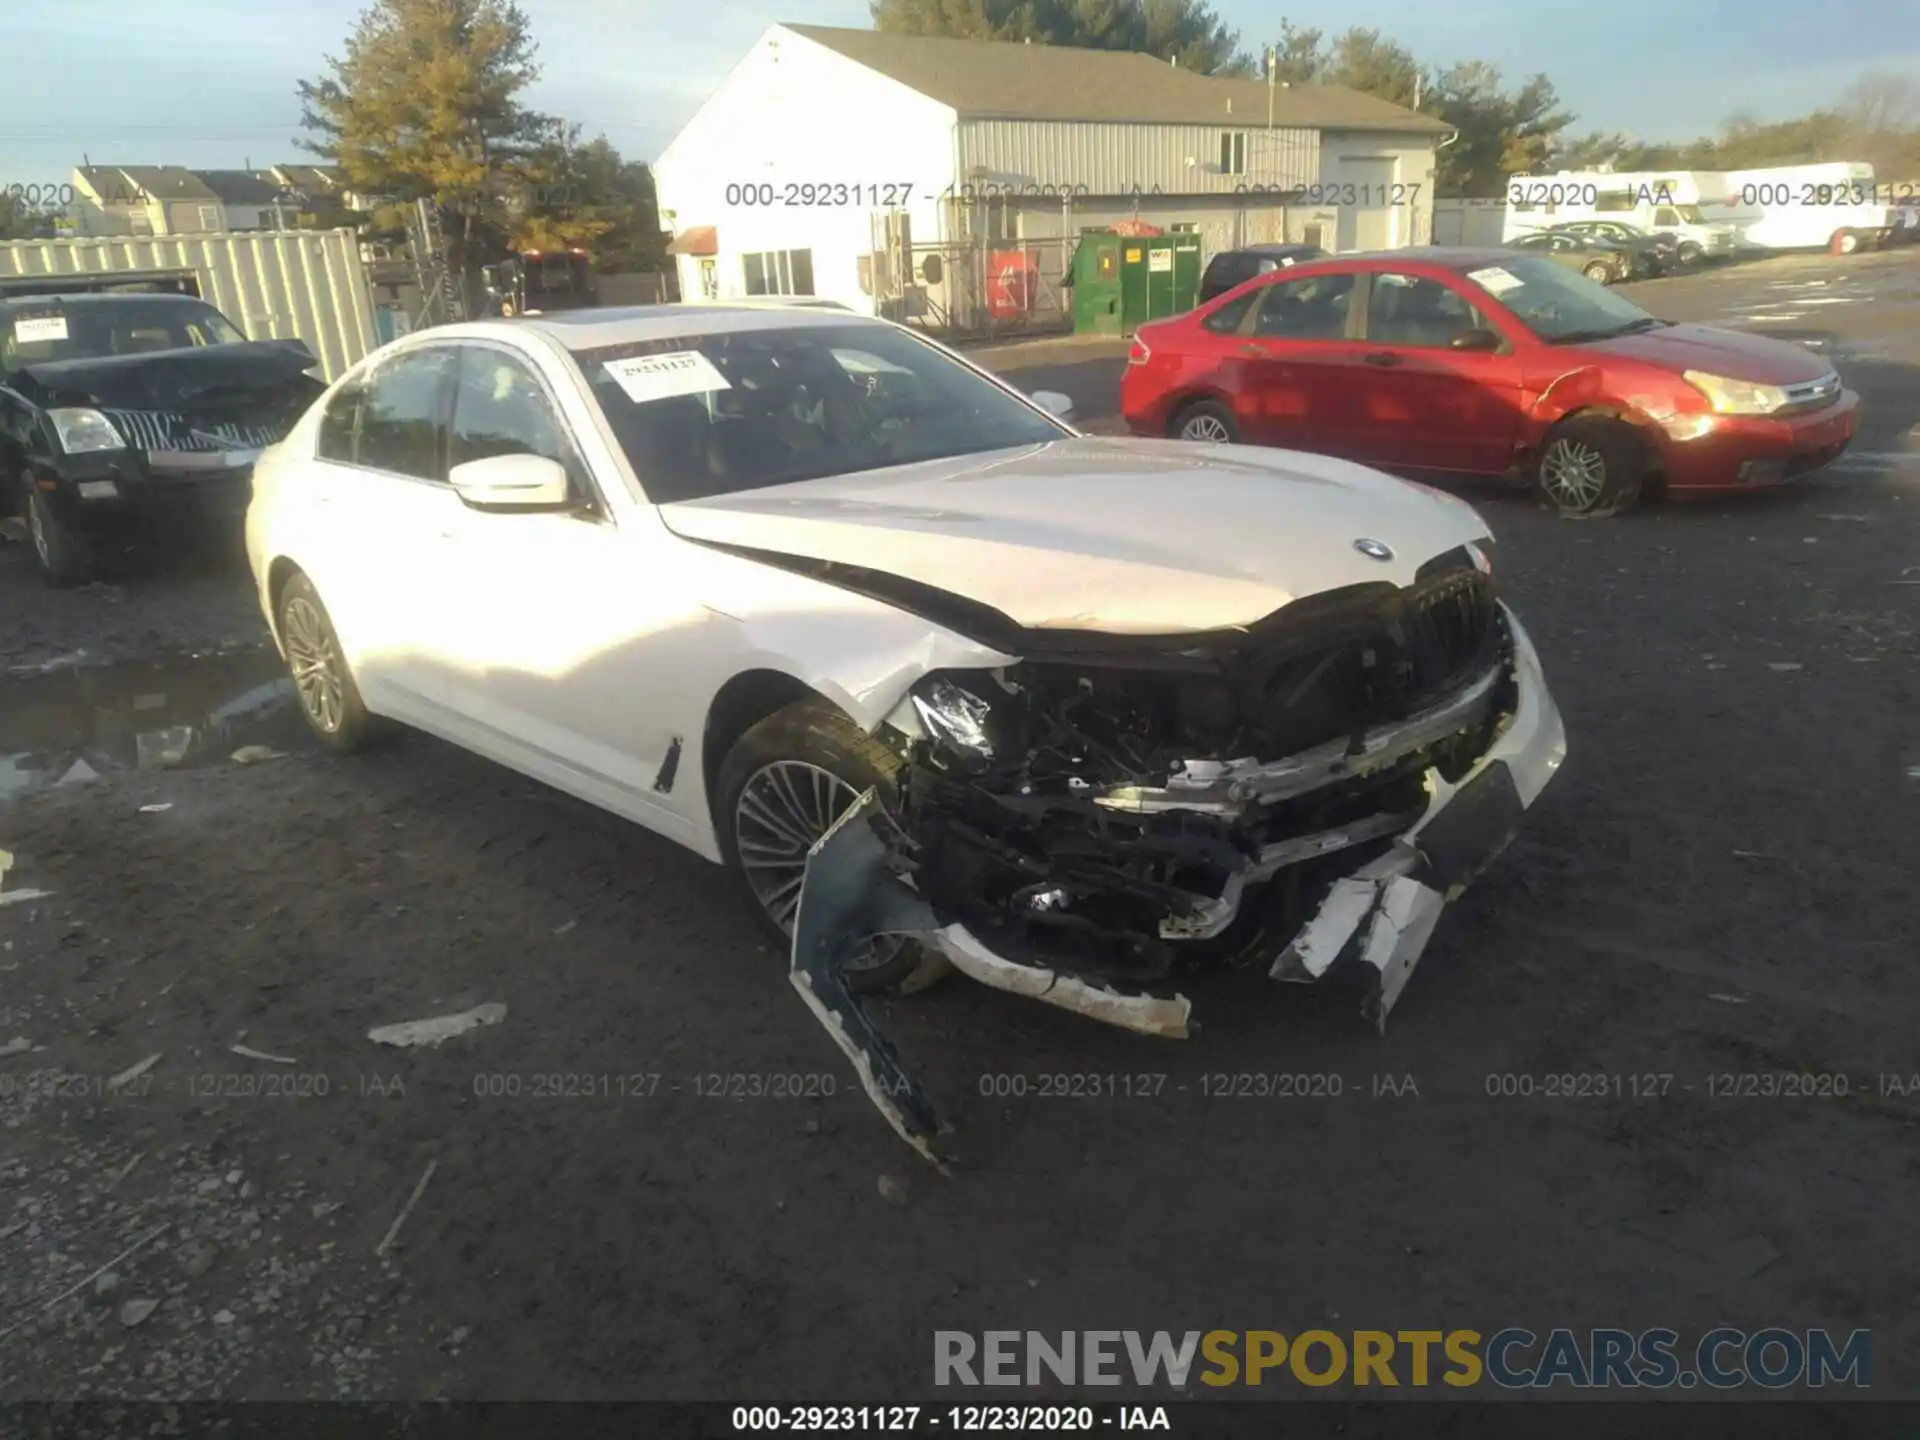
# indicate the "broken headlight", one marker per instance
pixel 953 717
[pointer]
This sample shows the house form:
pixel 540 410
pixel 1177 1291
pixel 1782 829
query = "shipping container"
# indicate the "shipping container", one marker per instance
pixel 308 285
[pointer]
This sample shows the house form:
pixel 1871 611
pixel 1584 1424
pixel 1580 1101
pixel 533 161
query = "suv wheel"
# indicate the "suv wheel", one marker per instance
pixel 1206 422
pixel 1690 253
pixel 1591 467
pixel 59 551
pixel 779 790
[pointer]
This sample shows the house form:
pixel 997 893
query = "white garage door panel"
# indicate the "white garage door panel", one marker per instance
pixel 1369 224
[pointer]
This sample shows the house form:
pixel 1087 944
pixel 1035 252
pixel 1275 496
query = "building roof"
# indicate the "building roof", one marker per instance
pixel 168 182
pixel 987 79
pixel 314 179
pixel 241 187
pixel 695 240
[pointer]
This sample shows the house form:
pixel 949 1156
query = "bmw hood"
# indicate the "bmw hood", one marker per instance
pixel 1134 537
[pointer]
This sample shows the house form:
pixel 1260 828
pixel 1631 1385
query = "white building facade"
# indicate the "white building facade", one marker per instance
pixel 836 162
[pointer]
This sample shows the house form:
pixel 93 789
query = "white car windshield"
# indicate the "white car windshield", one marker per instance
pixel 704 415
pixel 1557 304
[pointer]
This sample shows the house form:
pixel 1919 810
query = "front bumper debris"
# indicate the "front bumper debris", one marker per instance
pixel 1383 914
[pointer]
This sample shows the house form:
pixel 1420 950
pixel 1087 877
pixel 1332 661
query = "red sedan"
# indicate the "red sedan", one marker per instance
pixel 1487 362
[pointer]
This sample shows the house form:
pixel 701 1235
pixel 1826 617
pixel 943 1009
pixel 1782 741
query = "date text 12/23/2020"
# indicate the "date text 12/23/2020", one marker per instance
pixel 893 194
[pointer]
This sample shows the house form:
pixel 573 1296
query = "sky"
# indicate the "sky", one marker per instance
pixel 211 83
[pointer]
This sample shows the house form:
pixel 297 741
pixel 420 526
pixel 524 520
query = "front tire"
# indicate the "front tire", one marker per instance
pixel 60 553
pixel 329 700
pixel 1205 422
pixel 1689 255
pixel 1844 242
pixel 1591 468
pixel 780 789
pixel 1599 272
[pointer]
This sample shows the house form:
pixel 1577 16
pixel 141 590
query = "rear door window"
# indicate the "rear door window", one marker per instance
pixel 1228 319
pixel 1313 308
pixel 340 425
pixel 402 419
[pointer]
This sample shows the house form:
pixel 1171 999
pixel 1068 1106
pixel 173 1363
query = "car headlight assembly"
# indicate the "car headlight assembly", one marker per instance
pixel 82 431
pixel 1737 397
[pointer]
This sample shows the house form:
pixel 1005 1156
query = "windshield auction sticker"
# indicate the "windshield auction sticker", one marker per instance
pixel 39 328
pixel 1494 280
pixel 661 377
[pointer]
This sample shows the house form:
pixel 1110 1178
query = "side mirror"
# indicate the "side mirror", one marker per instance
pixel 1055 404
pixel 1475 340
pixel 513 482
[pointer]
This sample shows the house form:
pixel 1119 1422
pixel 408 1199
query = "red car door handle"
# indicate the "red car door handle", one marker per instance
pixel 1381 357
pixel 1252 349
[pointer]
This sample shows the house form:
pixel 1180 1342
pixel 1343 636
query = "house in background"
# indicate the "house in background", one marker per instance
pixel 839 163
pixel 251 199
pixel 175 200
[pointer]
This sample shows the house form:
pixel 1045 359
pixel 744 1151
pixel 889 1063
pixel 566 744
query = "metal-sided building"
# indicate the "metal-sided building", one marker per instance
pixel 948 181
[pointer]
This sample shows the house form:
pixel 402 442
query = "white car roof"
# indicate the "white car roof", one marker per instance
pixel 594 328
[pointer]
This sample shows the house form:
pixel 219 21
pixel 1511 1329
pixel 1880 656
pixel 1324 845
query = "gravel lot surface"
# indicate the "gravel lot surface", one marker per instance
pixel 589 1205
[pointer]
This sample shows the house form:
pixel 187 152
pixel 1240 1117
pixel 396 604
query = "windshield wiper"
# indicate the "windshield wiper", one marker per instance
pixel 1632 327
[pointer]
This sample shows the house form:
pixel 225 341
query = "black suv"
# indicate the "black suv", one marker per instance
pixel 1235 267
pixel 118 409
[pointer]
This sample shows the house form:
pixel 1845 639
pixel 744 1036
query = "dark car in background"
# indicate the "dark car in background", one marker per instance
pixel 118 411
pixel 1655 252
pixel 1235 267
pixel 1599 260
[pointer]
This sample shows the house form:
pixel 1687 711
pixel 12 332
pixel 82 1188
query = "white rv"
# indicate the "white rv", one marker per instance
pixel 1693 205
pixel 1838 207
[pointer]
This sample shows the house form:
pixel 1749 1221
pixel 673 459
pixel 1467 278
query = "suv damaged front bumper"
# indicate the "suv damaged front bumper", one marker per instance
pixel 1381 914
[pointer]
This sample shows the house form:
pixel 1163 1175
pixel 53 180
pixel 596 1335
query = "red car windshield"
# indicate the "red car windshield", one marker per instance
pixel 1559 305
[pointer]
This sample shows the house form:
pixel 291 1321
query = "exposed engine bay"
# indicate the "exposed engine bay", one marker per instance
pixel 1108 808
pixel 1116 812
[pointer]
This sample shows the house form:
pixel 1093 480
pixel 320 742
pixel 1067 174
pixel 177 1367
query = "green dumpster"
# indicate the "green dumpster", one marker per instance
pixel 1096 285
pixel 1159 276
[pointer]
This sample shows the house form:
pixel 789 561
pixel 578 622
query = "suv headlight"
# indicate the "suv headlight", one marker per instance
pixel 84 430
pixel 1737 397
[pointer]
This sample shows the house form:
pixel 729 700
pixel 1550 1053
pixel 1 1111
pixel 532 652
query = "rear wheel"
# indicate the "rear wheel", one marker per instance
pixel 60 552
pixel 1600 272
pixel 1591 467
pixel 1844 242
pixel 1206 422
pixel 329 700
pixel 779 790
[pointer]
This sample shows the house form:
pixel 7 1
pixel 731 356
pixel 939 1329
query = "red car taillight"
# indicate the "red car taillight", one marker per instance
pixel 1140 352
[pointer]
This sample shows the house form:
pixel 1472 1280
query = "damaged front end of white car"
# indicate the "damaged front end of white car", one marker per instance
pixel 1115 814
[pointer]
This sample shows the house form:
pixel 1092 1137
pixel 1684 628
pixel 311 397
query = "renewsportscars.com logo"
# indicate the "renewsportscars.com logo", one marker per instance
pixel 1515 1359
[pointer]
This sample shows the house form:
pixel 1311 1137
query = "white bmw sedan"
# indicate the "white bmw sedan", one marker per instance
pixel 1117 710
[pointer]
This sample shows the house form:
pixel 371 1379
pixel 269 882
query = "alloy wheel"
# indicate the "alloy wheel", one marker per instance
pixel 783 809
pixel 1573 474
pixel 315 663
pixel 1210 429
